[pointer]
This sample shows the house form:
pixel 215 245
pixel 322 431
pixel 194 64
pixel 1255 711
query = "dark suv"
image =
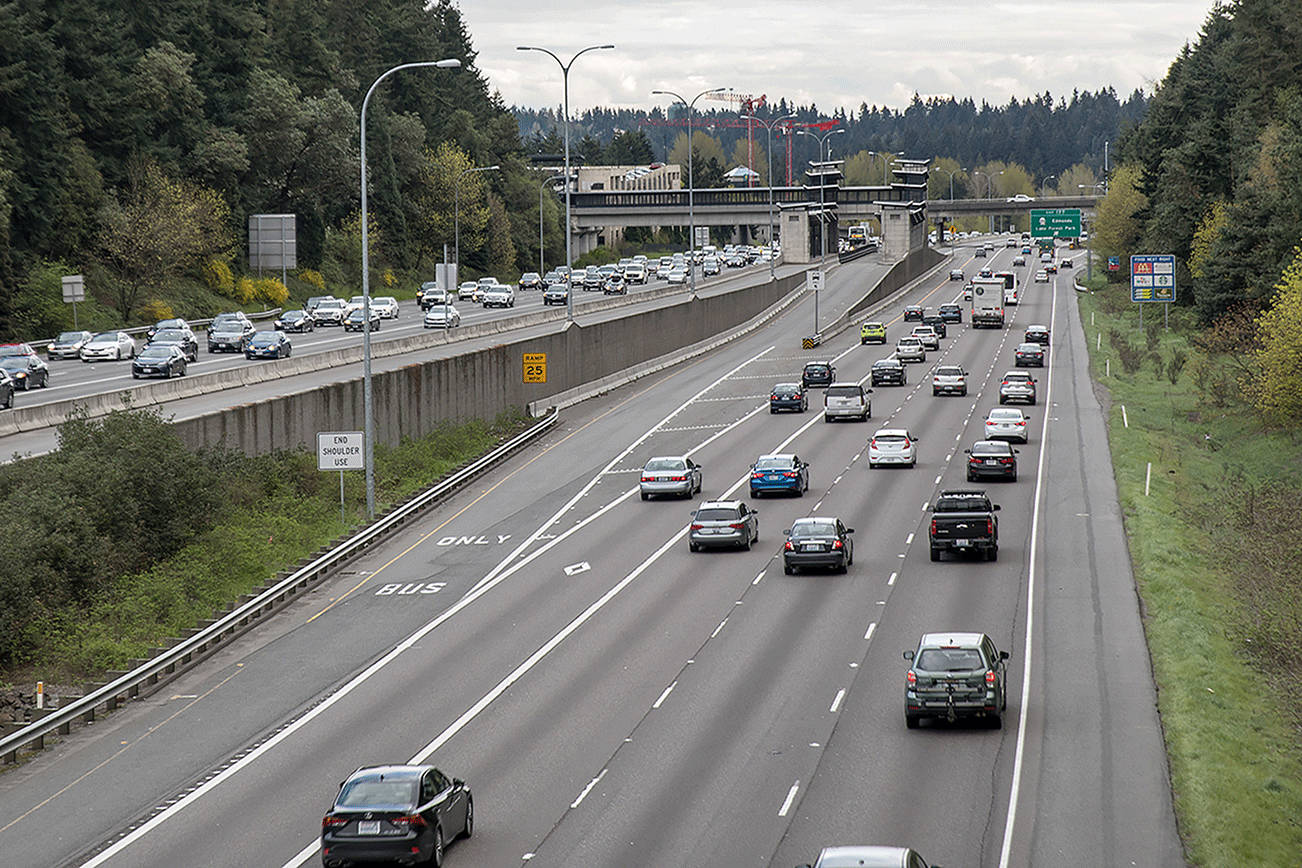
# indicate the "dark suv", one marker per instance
pixel 956 675
pixel 951 313
pixel 818 374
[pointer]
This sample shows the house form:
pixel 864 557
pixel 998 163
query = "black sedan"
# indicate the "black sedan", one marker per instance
pixel 159 360
pixel 356 319
pixel 951 313
pixel 165 324
pixel 183 338
pixel 295 321
pixel 991 458
pixel 818 374
pixel 269 345
pixel 818 542
pixel 888 372
pixel 913 313
pixel 1037 334
pixel 26 372
pixel 404 814
pixel 788 396
pixel 1029 355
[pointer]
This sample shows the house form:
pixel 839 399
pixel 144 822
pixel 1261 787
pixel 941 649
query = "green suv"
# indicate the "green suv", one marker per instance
pixel 872 333
pixel 956 675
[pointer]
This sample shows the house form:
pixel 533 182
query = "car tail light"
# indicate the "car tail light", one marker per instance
pixel 757 475
pixel 696 526
pixel 412 820
pixel 836 544
pixel 773 397
pixel 1007 460
pixel 789 547
pixel 973 460
pixel 1004 383
pixel 872 444
pixel 990 527
pixel 329 822
pixel 796 396
pixel 1021 421
pixel 790 474
pixel 912 678
pixel 737 525
pixel 990 677
pixel 933 526
pixel 648 479
pixel 678 479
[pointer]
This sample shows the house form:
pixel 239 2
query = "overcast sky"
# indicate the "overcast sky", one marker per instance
pixel 831 53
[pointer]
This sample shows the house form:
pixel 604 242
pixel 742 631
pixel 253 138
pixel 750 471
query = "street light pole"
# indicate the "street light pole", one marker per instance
pixel 951 194
pixel 541 187
pixel 1089 250
pixel 368 409
pixel 1044 186
pixel 456 211
pixel 691 183
pixel 769 128
pixel 822 217
pixel 565 76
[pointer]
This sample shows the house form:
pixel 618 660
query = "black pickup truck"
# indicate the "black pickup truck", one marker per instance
pixel 964 520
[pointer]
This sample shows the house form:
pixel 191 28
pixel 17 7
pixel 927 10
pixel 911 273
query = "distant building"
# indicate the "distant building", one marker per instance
pixel 742 177
pixel 657 176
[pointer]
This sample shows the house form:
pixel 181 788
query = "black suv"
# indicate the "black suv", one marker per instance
pixel 818 374
pixel 913 313
pixel 951 313
pixel 888 372
pixel 956 675
pixel 937 323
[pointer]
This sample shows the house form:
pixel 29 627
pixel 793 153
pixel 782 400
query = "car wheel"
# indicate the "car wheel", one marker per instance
pixel 1014 476
pixel 964 392
pixel 996 720
pixel 827 418
pixel 135 376
pixel 1003 400
pixel 971 478
pixel 911 722
pixel 788 569
pixel 773 411
pixel 913 463
pixel 992 554
pixel 436 855
pixel 746 545
pixel 693 547
pixel 646 496
pixel 470 818
pixel 935 554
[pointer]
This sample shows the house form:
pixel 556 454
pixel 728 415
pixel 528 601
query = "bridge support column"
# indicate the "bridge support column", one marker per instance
pixel 794 231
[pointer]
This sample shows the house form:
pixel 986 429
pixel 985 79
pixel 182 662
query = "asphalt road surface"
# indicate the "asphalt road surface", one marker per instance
pixel 615 700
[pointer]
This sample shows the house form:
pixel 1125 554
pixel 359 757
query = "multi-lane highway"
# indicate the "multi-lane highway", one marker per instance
pixel 615 700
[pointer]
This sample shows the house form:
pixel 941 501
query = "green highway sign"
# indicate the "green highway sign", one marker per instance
pixel 1055 222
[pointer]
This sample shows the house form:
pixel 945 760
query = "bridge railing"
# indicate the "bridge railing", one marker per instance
pixel 758 196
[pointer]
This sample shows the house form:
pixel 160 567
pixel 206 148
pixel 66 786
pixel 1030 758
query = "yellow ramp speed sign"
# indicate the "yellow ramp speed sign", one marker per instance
pixel 534 367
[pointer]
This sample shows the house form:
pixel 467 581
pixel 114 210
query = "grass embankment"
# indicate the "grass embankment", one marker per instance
pixel 1214 546
pixel 273 511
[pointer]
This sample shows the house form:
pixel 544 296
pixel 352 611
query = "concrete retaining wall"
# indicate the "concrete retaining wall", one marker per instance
pixel 411 401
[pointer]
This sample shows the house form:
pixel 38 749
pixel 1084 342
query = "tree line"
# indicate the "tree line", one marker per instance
pixel 135 141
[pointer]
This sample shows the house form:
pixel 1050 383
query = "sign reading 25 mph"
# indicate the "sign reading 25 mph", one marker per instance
pixel 534 367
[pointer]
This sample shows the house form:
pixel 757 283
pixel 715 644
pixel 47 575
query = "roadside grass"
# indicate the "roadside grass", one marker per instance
pixel 1230 708
pixel 291 510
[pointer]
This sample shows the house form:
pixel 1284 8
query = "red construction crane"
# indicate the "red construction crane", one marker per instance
pixel 747 104
pixel 785 128
pixel 788 129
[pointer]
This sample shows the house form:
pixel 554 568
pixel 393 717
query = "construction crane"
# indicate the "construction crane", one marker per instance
pixel 785 128
pixel 788 130
pixel 746 104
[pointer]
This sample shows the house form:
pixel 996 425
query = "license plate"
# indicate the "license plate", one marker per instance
pixel 992 461
pixel 774 478
pixel 962 543
pixel 368 827
pixel 811 548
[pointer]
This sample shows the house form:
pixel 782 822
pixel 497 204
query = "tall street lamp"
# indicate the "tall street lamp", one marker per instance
pixel 769 127
pixel 456 232
pixel 565 76
pixel 885 165
pixel 1044 186
pixel 951 178
pixel 691 184
pixel 1089 252
pixel 822 217
pixel 368 446
pixel 989 193
pixel 541 187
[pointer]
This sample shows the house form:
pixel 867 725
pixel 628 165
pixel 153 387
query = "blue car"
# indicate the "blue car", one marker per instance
pixel 779 473
pixel 268 345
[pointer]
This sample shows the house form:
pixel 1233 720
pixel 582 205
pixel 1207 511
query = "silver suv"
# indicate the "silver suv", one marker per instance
pixel 846 400
pixel 910 349
pixel 1017 386
pixel 719 523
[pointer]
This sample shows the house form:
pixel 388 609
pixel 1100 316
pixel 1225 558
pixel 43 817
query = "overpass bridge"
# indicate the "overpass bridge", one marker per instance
pixel 750 206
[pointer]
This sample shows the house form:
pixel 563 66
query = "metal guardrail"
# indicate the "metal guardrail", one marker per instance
pixel 128 685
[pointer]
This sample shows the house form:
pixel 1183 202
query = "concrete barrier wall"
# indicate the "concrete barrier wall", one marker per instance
pixel 411 401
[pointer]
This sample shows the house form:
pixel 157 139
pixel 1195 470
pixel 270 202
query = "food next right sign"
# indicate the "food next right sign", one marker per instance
pixel 1055 222
pixel 1152 277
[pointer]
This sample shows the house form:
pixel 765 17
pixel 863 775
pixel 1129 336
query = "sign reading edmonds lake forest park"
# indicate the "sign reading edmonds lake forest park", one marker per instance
pixel 1152 277
pixel 1055 222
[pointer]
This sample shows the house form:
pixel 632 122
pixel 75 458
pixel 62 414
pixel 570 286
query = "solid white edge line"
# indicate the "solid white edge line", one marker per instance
pixel 791 797
pixel 836 703
pixel 1014 791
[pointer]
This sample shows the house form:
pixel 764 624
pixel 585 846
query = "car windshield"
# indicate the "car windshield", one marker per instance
pixel 816 370
pixel 873 325
pixel 155 352
pixel 886 363
pixel 1005 415
pixel 1017 376
pixel 773 462
pixel 377 794
pixel 786 388
pixel 991 447
pixel 226 321
pixel 949 372
pixel 844 392
pixel 889 438
pixel 949 660
pixel 265 339
pixel 814 527
pixel 329 302
pixel 666 464
pixel 716 513
pixel 14 363
pixel 105 337
pixel 167 336
pixel 69 337
pixel 1028 348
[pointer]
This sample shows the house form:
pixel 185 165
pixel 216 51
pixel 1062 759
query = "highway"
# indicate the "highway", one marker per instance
pixel 613 699
pixel 72 378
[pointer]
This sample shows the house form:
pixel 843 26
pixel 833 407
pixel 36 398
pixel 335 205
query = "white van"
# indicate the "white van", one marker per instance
pixel 846 400
pixel 1010 295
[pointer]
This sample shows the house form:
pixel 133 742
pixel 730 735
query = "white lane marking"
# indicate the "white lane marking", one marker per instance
pixel 718 628
pixel 818 505
pixel 868 635
pixel 937 482
pixel 1005 851
pixel 791 797
pixel 891 580
pixel 908 541
pixel 759 578
pixel 575 569
pixel 836 703
pixel 835 481
pixel 583 795
pixel 856 456
pixel 663 696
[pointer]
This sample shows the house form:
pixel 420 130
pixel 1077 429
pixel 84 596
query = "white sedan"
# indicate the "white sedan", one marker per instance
pixel 1041 276
pixel 386 306
pixel 892 446
pixel 1007 424
pixel 442 316
pixel 109 345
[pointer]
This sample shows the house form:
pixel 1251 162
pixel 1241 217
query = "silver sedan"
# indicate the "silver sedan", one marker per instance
pixel 679 476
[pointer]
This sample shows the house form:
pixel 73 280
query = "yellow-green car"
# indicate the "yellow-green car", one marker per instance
pixel 872 333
